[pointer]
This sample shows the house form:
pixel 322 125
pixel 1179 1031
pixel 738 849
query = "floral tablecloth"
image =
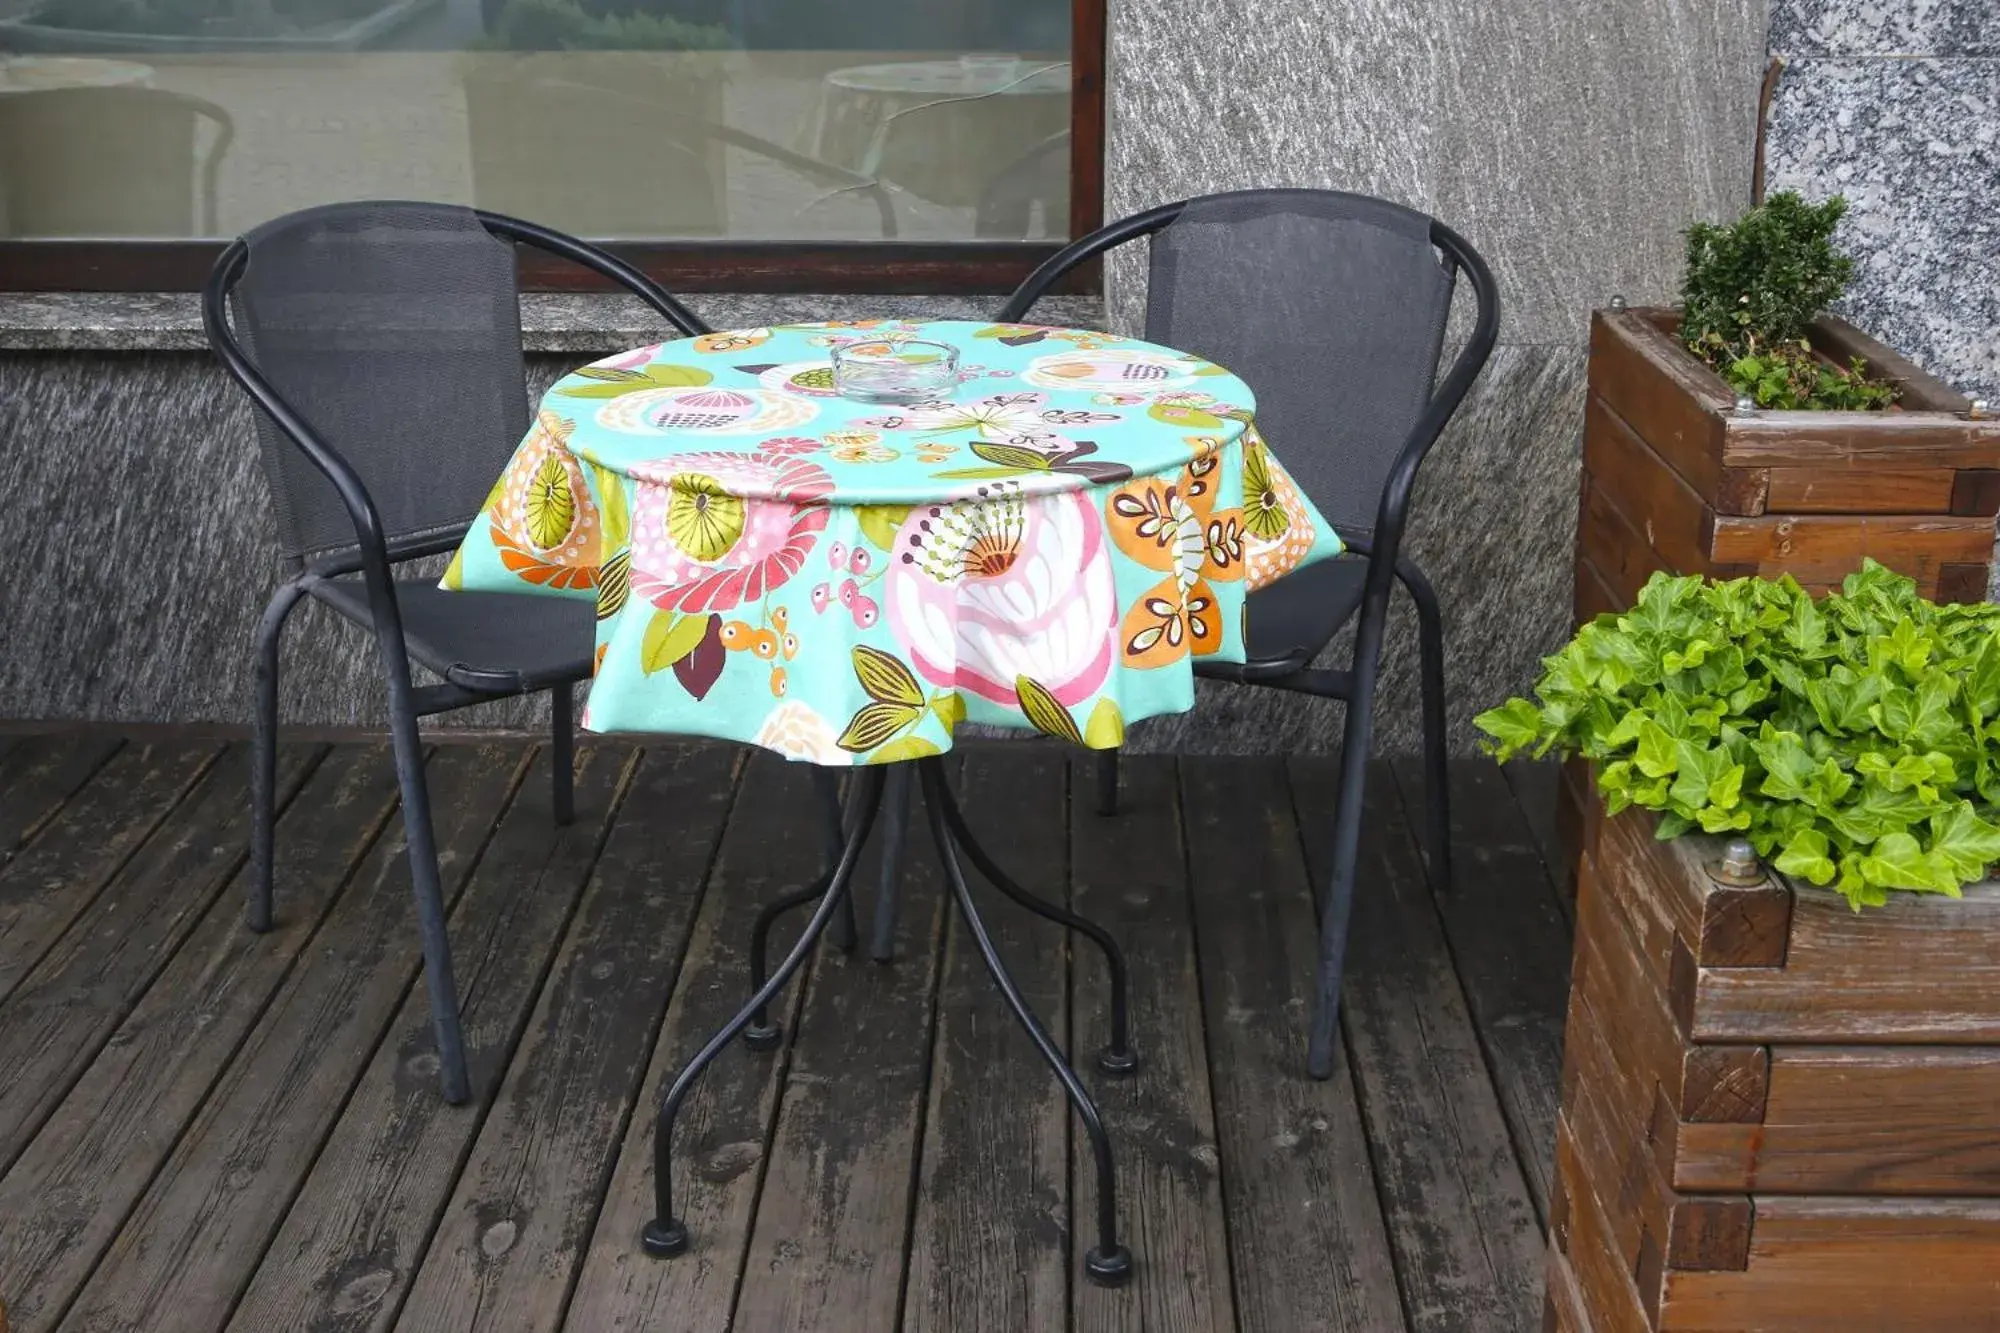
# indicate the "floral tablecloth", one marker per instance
pixel 1051 547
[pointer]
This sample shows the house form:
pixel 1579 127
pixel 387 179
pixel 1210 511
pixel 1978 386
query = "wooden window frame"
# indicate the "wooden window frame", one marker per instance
pixel 861 267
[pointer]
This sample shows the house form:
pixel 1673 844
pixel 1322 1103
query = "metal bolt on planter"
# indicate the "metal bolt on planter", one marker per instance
pixel 1746 406
pixel 1978 409
pixel 1617 304
pixel 1739 867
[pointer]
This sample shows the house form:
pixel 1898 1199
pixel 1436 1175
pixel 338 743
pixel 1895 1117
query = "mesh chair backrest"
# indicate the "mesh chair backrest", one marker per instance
pixel 1331 307
pixel 395 331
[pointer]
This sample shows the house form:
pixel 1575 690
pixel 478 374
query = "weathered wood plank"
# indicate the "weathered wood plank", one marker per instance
pixel 56 1020
pixel 1839 1264
pixel 1127 873
pixel 1922 969
pixel 41 773
pixel 202 1225
pixel 1616 555
pixel 1459 1212
pixel 351 1241
pixel 773 842
pixel 1889 439
pixel 1858 490
pixel 1673 401
pixel 1859 1120
pixel 1603 1277
pixel 829 1246
pixel 1565 1312
pixel 1654 500
pixel 988 1251
pixel 1306 1228
pixel 1824 548
pixel 51 881
pixel 70 1191
pixel 1511 948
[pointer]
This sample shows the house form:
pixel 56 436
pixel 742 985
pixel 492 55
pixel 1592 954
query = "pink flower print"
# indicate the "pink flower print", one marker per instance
pixel 987 590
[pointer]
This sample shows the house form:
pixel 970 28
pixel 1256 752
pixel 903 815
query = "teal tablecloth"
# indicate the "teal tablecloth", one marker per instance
pixel 845 583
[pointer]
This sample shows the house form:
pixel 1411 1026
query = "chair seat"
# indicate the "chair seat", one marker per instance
pixel 1300 613
pixel 483 641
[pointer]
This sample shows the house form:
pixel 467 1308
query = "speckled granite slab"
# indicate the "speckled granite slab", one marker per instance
pixel 1897 106
pixel 550 321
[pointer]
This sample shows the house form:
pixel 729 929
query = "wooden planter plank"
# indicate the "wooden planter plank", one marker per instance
pixel 1823 548
pixel 1895 440
pixel 1637 369
pixel 1818 1265
pixel 1847 1120
pixel 1852 490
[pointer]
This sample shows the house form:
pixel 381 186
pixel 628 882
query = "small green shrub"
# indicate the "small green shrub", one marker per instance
pixel 1855 741
pixel 1751 290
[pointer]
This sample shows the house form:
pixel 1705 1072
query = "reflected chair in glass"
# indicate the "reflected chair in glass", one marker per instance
pixel 380 344
pixel 1332 307
pixel 528 155
pixel 121 160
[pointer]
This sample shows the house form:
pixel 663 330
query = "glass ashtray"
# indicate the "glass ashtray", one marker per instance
pixel 895 372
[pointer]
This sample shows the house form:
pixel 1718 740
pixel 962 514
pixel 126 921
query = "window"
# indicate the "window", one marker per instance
pixel 914 145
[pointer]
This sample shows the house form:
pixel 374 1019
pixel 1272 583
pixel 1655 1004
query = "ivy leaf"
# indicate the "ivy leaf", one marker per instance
pixel 1967 843
pixel 1805 856
pixel 1657 756
pixel 1516 725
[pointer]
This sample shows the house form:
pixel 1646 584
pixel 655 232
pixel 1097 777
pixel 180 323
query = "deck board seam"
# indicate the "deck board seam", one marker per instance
pixel 458 887
pixel 225 879
pixel 42 821
pixel 383 819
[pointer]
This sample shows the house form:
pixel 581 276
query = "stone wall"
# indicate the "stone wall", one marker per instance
pixel 1897 106
pixel 1569 143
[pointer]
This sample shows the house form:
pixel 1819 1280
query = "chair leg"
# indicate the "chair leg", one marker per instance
pixel 264 756
pixel 429 893
pixel 896 798
pixel 562 751
pixel 1337 907
pixel 1107 782
pixel 1437 776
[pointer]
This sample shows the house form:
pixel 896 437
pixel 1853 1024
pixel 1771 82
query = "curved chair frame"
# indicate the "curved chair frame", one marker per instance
pixel 373 556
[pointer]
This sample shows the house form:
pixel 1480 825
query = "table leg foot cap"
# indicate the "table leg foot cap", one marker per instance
pixel 664 1240
pixel 763 1036
pixel 1108 1266
pixel 1116 1062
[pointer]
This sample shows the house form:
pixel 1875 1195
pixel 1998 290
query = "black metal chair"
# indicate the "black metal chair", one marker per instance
pixel 1332 307
pixel 381 345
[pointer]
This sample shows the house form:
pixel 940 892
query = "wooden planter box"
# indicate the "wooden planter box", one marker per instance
pixel 1675 479
pixel 1777 1113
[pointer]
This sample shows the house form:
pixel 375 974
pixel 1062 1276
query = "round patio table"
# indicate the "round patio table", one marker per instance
pixel 1048 547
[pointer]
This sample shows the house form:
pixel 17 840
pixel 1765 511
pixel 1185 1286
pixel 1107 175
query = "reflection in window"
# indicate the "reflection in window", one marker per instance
pixel 614 119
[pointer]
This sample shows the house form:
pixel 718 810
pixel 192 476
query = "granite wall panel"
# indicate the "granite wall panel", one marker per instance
pixel 1570 143
pixel 1897 106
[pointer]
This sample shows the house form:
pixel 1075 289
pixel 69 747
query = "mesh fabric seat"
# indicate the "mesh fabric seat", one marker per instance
pixel 492 642
pixel 380 344
pixel 1332 307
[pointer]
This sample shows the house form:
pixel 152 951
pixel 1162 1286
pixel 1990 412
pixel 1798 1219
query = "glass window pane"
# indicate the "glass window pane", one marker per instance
pixel 925 120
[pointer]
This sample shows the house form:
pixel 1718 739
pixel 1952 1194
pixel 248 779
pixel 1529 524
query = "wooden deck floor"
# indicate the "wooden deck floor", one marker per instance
pixel 205 1129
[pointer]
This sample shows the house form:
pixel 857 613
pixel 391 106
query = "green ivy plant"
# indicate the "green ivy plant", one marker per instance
pixel 1855 740
pixel 1752 289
